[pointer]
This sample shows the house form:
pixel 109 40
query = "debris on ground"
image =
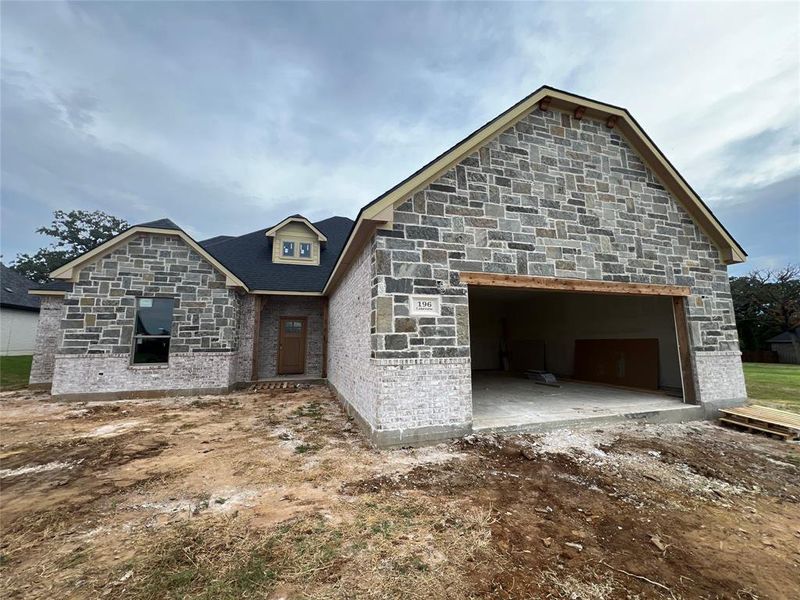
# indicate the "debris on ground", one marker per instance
pixel 273 492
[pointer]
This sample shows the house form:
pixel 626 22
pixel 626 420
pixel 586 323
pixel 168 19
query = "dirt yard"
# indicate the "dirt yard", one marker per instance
pixel 274 494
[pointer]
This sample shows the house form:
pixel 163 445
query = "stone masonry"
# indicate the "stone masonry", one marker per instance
pixel 550 196
pixel 98 321
pixel 390 395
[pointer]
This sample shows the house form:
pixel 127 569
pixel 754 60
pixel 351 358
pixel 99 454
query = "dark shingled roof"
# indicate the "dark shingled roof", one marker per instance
pixel 215 240
pixel 159 224
pixel 54 286
pixel 14 290
pixel 249 257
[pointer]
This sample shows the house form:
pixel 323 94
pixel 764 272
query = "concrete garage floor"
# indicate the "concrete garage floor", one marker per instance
pixel 502 403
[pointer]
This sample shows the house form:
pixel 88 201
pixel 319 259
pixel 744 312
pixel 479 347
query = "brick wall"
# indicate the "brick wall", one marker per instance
pixel 720 376
pixel 349 367
pixel 108 374
pixel 422 399
pixel 98 321
pixel 48 334
pixel 391 396
pixel 275 307
pixel 246 335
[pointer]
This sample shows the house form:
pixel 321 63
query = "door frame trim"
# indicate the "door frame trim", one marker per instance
pixel 560 284
pixel 677 293
pixel 278 366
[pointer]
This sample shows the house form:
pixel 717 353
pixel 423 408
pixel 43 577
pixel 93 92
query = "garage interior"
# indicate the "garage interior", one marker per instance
pixel 611 355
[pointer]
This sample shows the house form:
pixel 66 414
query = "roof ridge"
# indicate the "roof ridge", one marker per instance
pixel 163 223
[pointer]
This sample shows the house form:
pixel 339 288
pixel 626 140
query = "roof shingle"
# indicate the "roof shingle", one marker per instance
pixel 159 224
pixel 14 290
pixel 249 257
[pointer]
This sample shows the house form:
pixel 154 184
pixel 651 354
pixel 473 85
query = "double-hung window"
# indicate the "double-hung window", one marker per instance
pixel 288 248
pixel 153 330
pixel 305 250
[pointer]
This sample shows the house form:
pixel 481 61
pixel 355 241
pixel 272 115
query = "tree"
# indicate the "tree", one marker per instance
pixel 75 232
pixel 766 303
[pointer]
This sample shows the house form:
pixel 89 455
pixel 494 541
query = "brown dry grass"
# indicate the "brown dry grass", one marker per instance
pixel 275 494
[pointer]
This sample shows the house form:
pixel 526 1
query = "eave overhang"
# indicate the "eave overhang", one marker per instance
pixel 70 271
pixel 378 213
pixel 320 236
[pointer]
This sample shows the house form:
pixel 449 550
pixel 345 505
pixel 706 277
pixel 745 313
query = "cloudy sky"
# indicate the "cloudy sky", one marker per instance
pixel 227 116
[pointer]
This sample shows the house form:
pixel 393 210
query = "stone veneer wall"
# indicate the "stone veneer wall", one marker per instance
pixel 275 307
pixel 550 196
pixel 48 333
pixel 390 394
pixel 98 321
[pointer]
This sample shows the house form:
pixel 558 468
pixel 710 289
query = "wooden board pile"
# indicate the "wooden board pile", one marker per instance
pixel 772 421
pixel 279 385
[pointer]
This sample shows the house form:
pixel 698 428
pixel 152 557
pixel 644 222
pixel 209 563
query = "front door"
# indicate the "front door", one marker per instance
pixel 292 346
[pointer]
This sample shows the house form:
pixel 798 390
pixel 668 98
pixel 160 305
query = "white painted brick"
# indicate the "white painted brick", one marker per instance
pixel 48 333
pixel 719 376
pixel 349 367
pixel 108 373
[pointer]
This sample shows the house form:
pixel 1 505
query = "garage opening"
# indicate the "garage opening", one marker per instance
pixel 610 353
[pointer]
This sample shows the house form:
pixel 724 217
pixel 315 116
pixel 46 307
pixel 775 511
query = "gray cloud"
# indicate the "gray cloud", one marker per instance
pixel 766 220
pixel 227 116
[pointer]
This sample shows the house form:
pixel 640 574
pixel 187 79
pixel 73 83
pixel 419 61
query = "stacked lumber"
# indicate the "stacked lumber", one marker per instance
pixel 277 385
pixel 780 423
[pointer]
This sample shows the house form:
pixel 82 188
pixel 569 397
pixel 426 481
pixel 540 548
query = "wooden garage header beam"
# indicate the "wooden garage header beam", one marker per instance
pixel 557 284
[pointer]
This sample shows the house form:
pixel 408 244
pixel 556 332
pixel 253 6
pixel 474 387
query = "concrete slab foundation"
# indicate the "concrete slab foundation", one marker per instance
pixel 507 404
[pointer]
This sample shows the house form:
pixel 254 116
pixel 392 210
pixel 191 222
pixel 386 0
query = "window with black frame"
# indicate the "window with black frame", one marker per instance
pixel 153 330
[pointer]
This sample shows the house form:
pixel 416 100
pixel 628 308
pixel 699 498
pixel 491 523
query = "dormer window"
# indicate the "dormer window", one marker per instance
pixel 296 241
pixel 289 249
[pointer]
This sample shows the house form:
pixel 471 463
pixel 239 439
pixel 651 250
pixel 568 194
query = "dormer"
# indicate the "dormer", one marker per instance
pixel 295 241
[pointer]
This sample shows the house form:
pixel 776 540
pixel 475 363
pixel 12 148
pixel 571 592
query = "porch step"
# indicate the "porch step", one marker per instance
pixel 276 385
pixel 294 383
pixel 678 414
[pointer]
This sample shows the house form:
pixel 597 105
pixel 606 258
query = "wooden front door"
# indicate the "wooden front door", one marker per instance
pixel 292 346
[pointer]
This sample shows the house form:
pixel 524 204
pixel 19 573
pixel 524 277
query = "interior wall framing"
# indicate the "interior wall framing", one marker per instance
pixel 559 319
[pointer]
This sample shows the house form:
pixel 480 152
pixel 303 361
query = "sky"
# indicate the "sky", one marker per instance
pixel 226 117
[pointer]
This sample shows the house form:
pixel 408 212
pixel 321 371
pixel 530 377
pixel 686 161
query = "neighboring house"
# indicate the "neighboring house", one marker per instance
pixel 556 236
pixel 785 345
pixel 19 313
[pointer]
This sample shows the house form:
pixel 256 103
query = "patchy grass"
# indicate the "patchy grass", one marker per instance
pixel 367 555
pixel 773 385
pixel 190 561
pixel 272 494
pixel 14 372
pixel 311 410
pixel 303 448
